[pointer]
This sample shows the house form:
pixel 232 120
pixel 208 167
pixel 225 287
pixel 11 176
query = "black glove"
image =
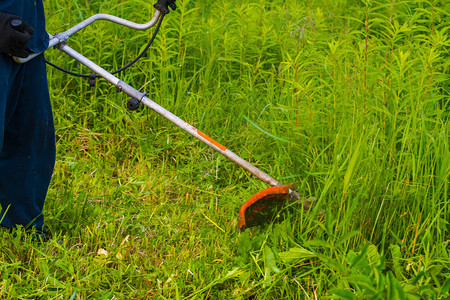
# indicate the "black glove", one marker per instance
pixel 163 6
pixel 14 35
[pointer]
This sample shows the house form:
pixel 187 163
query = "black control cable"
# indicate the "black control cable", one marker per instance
pixel 92 77
pixel 163 7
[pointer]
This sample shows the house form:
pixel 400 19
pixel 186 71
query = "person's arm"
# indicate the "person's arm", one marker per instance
pixel 14 35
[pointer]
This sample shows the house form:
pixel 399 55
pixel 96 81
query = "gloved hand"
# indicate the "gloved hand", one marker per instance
pixel 14 35
pixel 163 5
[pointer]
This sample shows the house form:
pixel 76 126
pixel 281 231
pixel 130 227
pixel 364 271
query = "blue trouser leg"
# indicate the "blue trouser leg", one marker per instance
pixel 27 142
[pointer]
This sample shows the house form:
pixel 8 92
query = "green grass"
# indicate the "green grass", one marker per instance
pixel 347 100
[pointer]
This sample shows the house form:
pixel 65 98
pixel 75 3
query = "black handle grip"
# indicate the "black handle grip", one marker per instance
pixel 163 5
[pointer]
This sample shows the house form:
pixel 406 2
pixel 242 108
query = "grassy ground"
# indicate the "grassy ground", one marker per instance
pixel 347 100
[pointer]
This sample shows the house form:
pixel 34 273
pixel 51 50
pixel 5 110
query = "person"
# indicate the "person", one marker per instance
pixel 27 137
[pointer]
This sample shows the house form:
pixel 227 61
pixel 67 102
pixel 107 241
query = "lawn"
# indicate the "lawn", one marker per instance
pixel 348 101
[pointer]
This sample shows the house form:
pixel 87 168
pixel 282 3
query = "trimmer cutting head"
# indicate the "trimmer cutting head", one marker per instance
pixel 262 206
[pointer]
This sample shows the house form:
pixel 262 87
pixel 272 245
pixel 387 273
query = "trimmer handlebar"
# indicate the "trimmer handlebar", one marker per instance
pixel 64 36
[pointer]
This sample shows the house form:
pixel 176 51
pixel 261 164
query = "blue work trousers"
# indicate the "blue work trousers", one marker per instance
pixel 27 142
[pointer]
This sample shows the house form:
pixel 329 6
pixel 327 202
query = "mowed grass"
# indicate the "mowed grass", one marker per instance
pixel 346 100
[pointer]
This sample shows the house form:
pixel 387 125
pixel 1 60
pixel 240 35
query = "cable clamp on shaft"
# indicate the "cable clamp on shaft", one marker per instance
pixel 133 103
pixel 62 38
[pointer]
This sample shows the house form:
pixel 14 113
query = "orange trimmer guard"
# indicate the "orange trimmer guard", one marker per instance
pixel 262 206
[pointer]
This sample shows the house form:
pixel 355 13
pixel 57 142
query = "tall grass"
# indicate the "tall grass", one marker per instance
pixel 347 100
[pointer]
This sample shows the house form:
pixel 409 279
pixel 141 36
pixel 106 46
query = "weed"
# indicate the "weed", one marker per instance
pixel 347 100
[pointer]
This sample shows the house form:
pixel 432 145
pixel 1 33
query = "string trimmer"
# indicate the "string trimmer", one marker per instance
pixel 260 207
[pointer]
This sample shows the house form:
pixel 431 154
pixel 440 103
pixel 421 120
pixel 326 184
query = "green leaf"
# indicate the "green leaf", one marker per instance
pixel 319 243
pixel 344 294
pixel 353 164
pixel 351 256
pixel 373 256
pixel 446 286
pixel 361 257
pixel 396 257
pixel 347 236
pixel 269 260
pixel 265 132
pixel 420 275
pixel 364 282
pixel 395 289
pixel 269 266
pixel 295 254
